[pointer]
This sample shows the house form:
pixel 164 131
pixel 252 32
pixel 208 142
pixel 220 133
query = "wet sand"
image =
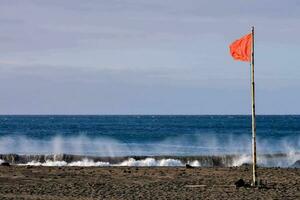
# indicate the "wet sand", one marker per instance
pixel 27 182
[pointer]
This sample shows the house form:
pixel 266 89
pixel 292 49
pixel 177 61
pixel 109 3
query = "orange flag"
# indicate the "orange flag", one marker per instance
pixel 241 48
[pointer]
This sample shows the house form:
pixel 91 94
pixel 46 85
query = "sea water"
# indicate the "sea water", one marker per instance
pixel 149 135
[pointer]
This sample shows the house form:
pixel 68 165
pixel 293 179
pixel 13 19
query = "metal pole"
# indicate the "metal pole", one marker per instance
pixel 253 114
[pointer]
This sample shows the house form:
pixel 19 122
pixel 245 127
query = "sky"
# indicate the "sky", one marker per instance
pixel 147 57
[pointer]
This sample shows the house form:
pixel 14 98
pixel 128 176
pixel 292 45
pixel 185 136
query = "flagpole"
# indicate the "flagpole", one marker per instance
pixel 253 113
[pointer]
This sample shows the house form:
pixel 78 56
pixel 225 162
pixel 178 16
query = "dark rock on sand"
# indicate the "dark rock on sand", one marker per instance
pixel 240 183
pixel 188 166
pixel 5 164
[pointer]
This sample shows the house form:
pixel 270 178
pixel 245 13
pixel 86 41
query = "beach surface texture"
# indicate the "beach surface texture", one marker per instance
pixel 40 182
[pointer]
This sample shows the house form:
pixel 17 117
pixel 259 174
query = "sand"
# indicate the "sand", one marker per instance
pixel 24 182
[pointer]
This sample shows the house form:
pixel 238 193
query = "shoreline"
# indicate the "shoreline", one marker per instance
pixel 231 160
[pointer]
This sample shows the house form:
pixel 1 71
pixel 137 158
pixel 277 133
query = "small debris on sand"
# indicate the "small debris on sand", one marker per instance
pixel 188 166
pixel 5 164
pixel 239 183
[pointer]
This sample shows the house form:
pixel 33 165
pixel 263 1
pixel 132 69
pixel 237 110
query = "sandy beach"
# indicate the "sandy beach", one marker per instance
pixel 36 182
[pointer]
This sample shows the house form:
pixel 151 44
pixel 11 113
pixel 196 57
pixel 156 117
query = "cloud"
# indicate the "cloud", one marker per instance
pixel 38 25
pixel 59 50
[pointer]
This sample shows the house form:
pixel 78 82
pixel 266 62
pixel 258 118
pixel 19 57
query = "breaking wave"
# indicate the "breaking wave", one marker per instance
pixel 203 144
pixel 131 162
pixel 267 160
pixel 83 163
pixel 150 162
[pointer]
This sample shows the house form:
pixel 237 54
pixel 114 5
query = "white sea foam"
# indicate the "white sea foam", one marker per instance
pixel 48 163
pixel 89 163
pixel 243 159
pixel 83 163
pixel 149 162
pixel 195 163
pixel 1 161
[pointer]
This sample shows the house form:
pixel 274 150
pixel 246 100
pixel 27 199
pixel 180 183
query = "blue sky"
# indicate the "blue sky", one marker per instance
pixel 146 57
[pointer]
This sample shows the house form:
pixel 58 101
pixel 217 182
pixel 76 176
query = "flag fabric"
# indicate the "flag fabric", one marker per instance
pixel 241 48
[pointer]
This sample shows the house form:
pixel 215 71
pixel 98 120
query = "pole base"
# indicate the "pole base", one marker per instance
pixel 254 184
pixel 259 183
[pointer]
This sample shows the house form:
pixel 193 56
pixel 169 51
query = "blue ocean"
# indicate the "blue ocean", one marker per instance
pixel 146 135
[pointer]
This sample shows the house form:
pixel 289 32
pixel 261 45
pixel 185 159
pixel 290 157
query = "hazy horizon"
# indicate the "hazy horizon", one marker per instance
pixel 140 57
